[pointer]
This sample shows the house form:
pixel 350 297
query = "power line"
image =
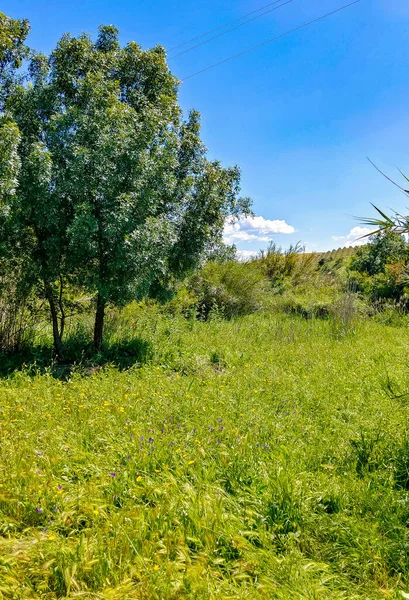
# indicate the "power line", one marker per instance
pixel 224 25
pixel 231 29
pixel 271 40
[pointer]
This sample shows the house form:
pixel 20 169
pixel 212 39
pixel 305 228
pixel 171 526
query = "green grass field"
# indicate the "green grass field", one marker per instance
pixel 265 457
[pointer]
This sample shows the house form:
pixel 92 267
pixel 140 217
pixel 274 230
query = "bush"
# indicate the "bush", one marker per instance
pixel 290 265
pixel 384 249
pixel 230 289
pixel 17 318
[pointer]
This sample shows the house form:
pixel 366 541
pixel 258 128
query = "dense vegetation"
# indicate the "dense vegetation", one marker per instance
pixel 262 457
pixel 104 185
pixel 241 431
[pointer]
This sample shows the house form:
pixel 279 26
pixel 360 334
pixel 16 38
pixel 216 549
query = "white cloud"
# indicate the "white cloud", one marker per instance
pixel 353 237
pixel 253 229
pixel 244 255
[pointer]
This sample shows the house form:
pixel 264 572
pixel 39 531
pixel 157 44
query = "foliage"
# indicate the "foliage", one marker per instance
pixel 260 457
pixel 13 51
pixel 384 249
pixel 115 192
pixel 229 289
pixel 379 270
pixel 291 266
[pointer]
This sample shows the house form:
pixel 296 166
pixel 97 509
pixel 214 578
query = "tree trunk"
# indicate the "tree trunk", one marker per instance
pixel 57 334
pixel 99 323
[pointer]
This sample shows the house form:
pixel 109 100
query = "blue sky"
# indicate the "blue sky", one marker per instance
pixel 299 116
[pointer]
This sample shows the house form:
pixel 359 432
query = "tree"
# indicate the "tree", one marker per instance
pixel 115 190
pixel 13 50
pixel 385 248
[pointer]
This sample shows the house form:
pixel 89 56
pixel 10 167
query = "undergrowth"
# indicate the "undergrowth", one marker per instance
pixel 262 457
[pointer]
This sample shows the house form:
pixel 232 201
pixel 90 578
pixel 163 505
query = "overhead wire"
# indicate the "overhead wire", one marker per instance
pixel 198 37
pixel 231 29
pixel 333 12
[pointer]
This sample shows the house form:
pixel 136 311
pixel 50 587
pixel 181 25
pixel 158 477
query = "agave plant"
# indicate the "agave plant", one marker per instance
pixel 396 223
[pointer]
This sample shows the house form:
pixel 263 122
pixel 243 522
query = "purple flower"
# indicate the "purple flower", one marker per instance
pixel 141 438
pixel 218 441
pixel 221 428
pixel 55 509
pixel 151 440
pixel 132 436
pixel 38 472
pixel 39 510
pixel 140 447
pixel 219 420
pixel 112 474
pixel 128 458
pixel 163 430
pixel 59 487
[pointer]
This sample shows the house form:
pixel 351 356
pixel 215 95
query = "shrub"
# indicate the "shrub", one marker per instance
pixel 384 249
pixel 292 264
pixel 17 316
pixel 230 289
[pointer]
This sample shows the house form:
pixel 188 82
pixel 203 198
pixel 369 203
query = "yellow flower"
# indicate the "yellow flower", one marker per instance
pixel 190 462
pixel 156 567
pixel 139 478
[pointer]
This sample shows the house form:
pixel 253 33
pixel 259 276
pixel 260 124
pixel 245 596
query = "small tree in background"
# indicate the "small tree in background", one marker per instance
pixel 115 192
pixel 385 248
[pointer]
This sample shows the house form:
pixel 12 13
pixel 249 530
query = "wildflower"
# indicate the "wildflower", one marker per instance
pixel 38 509
pixel 139 478
pixel 150 440
pixel 112 474
pixel 219 420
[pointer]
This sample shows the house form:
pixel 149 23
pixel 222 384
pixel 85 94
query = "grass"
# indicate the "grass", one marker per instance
pixel 265 457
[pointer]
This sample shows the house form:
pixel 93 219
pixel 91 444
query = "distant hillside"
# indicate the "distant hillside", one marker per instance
pixel 345 252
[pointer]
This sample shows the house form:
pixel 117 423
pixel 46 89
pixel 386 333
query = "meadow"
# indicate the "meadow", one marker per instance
pixel 262 457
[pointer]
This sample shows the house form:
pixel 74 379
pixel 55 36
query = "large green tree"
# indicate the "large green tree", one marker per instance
pixel 115 191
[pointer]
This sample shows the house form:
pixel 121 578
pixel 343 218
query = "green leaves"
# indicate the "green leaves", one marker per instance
pixel 115 192
pixel 12 52
pixel 9 160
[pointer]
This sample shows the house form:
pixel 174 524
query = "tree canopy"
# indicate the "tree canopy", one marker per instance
pixel 113 188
